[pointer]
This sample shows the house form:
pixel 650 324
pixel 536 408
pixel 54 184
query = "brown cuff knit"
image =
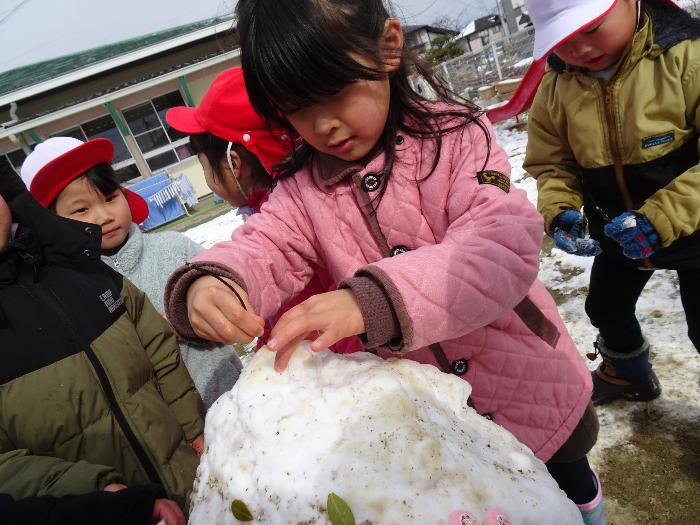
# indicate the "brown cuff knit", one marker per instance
pixel 381 324
pixel 176 297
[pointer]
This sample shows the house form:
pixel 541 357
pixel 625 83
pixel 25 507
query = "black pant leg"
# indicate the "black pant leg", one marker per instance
pixel 575 479
pixel 612 297
pixel 689 281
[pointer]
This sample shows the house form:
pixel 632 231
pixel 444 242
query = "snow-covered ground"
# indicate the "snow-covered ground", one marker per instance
pixel 218 229
pixel 642 450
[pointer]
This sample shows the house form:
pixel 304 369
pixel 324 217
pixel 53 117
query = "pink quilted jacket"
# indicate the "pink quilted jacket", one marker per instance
pixel 455 253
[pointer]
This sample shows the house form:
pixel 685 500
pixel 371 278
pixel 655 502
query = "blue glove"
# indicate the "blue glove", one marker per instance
pixel 635 234
pixel 568 234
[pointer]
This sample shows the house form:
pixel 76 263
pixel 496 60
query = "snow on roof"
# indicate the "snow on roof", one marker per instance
pixel 479 24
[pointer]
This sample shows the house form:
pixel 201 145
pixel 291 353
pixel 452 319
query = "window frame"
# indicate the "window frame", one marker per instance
pixel 171 146
pixel 115 165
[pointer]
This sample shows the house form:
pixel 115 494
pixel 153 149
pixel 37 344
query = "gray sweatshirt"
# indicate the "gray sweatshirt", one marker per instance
pixel 147 260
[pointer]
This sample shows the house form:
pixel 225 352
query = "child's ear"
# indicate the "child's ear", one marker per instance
pixel 235 164
pixel 391 44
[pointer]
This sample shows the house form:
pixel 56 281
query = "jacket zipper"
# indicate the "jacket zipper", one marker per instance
pixel 53 302
pixel 617 157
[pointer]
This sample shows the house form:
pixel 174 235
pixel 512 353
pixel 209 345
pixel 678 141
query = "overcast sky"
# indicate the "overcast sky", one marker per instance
pixel 35 30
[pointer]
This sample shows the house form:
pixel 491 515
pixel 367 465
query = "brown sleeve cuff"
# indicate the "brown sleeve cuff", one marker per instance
pixel 381 324
pixel 175 300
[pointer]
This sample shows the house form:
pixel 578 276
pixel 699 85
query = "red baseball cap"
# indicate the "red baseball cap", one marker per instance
pixel 225 111
pixel 58 161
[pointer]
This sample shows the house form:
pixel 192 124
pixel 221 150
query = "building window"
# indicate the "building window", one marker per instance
pixel 76 133
pixel 14 158
pixel 161 145
pixel 104 127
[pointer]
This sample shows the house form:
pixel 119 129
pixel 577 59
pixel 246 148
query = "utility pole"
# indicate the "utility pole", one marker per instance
pixel 502 17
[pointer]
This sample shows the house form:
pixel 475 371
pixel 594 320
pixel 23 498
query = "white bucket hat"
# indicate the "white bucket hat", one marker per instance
pixel 557 20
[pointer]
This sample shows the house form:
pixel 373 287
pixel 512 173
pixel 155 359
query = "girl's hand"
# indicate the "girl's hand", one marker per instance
pixel 198 444
pixel 216 314
pixel 114 487
pixel 5 223
pixel 327 318
pixel 166 511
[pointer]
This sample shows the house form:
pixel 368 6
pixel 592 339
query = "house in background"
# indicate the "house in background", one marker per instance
pixel 479 33
pixel 420 38
pixel 121 92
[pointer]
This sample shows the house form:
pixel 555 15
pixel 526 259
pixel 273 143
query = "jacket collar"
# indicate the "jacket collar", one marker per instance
pixel 129 255
pixel 328 170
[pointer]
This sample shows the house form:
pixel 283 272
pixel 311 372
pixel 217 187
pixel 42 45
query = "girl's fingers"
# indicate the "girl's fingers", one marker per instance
pixel 323 340
pixel 296 312
pixel 232 311
pixel 203 329
pixel 296 329
pixel 283 356
pixel 214 325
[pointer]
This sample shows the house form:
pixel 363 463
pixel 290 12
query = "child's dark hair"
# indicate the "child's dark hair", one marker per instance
pixel 214 149
pixel 296 54
pixel 102 177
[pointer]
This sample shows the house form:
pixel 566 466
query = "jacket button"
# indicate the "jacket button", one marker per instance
pixel 398 250
pixel 89 230
pixel 460 367
pixel 488 416
pixel 370 183
pixel 87 253
pixel 399 140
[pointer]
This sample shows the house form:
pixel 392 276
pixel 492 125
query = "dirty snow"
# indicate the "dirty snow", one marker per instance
pixel 393 438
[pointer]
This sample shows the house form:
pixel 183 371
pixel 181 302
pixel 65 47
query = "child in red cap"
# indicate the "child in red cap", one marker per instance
pixel 76 180
pixel 236 148
pixel 238 152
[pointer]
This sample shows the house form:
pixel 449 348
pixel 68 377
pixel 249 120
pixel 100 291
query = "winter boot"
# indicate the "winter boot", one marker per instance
pixel 623 375
pixel 593 512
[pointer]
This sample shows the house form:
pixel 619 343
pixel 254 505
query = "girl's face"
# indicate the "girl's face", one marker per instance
pixel 349 124
pixel 81 201
pixel 601 45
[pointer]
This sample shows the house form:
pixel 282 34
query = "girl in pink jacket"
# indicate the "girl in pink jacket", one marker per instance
pixel 407 204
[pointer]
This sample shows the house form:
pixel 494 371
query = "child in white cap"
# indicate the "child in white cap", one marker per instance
pixel 614 130
pixel 76 180
pixel 93 392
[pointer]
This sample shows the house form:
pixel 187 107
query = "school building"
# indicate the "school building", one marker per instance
pixel 121 92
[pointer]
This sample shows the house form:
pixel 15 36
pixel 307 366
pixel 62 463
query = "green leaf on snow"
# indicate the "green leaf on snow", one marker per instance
pixel 338 511
pixel 241 511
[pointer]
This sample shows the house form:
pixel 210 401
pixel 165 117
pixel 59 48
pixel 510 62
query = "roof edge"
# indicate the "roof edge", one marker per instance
pixel 115 62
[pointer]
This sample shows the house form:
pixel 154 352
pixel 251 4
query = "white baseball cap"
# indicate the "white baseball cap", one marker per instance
pixel 557 20
pixel 58 161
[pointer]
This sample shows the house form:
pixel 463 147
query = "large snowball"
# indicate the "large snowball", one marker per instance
pixel 394 439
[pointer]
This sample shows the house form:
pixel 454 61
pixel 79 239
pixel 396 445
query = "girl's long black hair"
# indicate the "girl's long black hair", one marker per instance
pixel 296 53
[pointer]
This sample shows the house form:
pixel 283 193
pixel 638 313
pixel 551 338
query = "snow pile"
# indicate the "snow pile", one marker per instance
pixel 394 439
pixel 219 229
